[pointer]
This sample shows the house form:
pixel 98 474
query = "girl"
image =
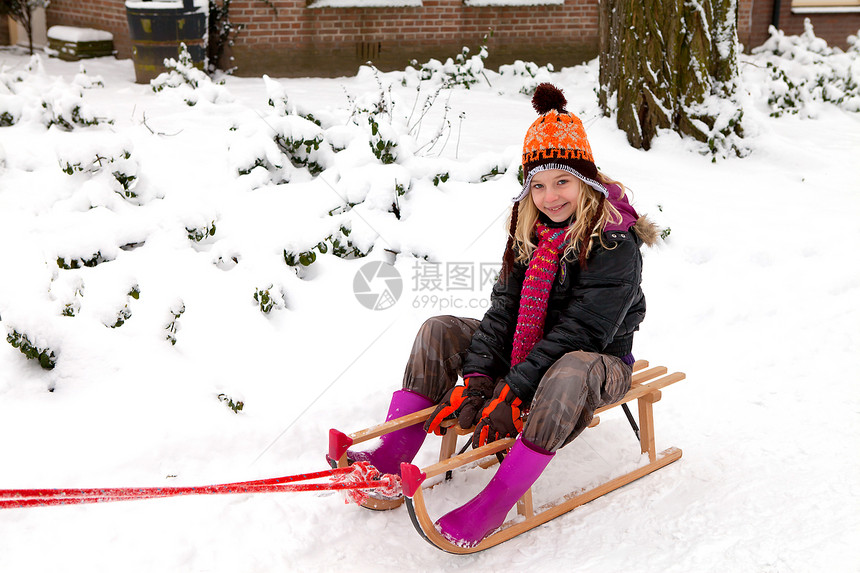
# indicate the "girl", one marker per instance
pixel 556 342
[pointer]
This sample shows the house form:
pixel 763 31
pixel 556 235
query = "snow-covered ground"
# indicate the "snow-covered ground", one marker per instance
pixel 754 295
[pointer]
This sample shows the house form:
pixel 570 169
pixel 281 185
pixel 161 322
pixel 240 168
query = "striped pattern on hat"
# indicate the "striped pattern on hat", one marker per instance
pixel 594 184
pixel 557 137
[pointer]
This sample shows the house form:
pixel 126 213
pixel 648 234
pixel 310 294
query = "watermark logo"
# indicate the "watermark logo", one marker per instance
pixel 453 286
pixel 377 285
pixel 444 286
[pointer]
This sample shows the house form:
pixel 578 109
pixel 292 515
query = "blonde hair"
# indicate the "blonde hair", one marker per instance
pixel 586 209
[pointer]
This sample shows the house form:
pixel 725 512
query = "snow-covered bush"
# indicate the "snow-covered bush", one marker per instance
pixel 191 83
pixel 375 113
pixel 723 138
pixel 256 158
pixel 92 260
pixel 86 81
pixel 382 143
pixel 308 140
pixel 269 299
pixel 67 111
pixel 172 327
pixel 12 102
pixel 11 108
pixel 302 142
pixel 68 292
pixel 46 357
pixel 298 134
pixel 235 405
pixel 106 156
pixel 296 259
pixel 462 70
pixel 288 140
pixel 377 187
pixel 121 316
pixel 281 104
pixel 341 245
pixel 803 72
pixel 372 154
pixel 124 313
pixel 202 232
pixel 528 74
pixel 338 243
pixel 30 95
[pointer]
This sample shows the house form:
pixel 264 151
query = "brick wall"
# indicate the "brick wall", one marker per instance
pixel 834 28
pixel 745 8
pixel 108 15
pixel 300 40
pixel 392 36
pixel 436 22
pixel 328 41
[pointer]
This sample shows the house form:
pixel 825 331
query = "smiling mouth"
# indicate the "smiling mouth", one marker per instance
pixel 556 209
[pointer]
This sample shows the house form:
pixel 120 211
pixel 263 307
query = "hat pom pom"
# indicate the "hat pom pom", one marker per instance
pixel 548 97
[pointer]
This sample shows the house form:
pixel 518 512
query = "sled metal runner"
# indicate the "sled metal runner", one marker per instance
pixel 645 389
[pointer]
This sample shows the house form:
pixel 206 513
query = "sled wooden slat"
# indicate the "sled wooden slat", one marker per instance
pixel 388 427
pixel 642 376
pixel 646 431
pixel 467 457
pixel 449 446
pixel 638 391
pixel 525 507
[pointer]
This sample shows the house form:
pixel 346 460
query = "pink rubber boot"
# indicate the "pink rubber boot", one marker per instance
pixel 467 525
pixel 401 445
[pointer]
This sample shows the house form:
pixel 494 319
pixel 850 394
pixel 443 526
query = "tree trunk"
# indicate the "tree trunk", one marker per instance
pixel 671 64
pixel 27 22
pixel 21 11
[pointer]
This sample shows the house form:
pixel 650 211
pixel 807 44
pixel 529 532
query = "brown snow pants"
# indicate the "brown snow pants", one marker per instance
pixel 567 395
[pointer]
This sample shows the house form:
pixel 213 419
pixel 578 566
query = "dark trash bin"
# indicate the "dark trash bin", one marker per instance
pixel 159 28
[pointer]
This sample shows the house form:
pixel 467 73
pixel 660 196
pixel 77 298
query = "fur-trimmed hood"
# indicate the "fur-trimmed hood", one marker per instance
pixel 644 228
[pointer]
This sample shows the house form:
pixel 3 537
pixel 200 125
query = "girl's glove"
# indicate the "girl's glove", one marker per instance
pixel 500 418
pixel 465 402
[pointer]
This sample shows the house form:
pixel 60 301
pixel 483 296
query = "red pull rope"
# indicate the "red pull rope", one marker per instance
pixel 359 476
pixel 135 491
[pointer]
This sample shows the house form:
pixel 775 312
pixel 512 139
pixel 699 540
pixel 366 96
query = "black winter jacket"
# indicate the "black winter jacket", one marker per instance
pixel 596 309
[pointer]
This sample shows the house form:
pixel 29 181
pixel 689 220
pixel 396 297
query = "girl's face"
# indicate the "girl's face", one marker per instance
pixel 555 193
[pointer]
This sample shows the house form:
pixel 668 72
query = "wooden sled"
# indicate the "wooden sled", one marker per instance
pixel 645 389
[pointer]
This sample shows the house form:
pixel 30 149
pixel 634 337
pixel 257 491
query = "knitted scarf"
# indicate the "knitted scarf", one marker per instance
pixel 534 296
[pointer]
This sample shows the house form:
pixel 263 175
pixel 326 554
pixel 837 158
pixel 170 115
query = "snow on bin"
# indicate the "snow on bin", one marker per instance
pixel 159 28
pixel 71 44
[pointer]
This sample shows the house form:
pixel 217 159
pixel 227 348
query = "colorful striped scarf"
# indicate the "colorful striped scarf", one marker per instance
pixel 534 295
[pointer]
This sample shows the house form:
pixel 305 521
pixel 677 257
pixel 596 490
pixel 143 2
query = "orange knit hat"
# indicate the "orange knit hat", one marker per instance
pixel 556 140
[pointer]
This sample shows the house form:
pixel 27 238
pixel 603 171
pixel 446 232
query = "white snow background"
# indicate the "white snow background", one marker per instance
pixel 754 295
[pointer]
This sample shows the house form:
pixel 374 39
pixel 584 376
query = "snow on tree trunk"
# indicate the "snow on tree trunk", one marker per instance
pixel 672 64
